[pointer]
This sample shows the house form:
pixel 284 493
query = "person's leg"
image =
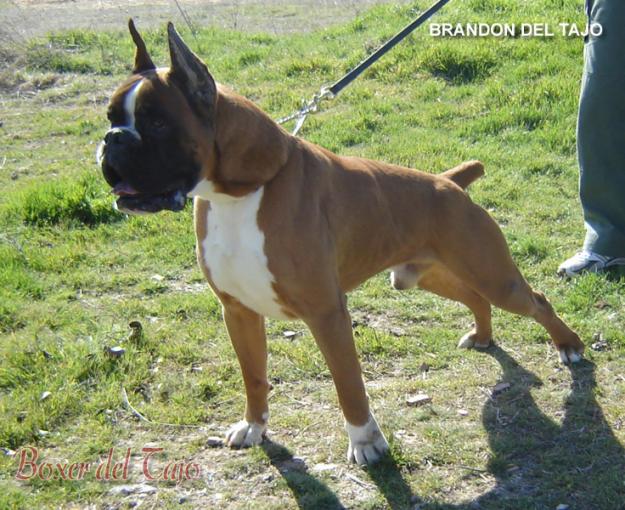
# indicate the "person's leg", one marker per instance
pixel 601 142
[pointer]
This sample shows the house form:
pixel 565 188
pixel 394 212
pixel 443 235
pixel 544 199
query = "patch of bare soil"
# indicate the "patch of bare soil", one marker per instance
pixel 27 18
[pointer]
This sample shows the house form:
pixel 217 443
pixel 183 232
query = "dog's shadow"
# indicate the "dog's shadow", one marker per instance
pixel 536 461
pixel 539 463
pixel 310 493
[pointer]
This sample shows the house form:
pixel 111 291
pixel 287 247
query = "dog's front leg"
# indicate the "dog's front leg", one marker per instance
pixel 333 333
pixel 247 333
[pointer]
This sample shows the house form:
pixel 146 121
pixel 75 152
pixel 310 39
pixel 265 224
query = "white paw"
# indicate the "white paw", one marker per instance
pixel 367 444
pixel 244 433
pixel 569 355
pixel 404 276
pixel 469 341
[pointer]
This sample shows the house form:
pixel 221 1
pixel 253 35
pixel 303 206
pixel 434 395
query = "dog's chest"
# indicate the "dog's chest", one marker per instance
pixel 234 253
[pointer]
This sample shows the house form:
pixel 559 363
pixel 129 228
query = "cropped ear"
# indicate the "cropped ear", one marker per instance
pixel 190 73
pixel 143 62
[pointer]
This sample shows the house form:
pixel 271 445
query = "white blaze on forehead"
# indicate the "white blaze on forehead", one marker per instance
pixel 130 104
pixel 234 251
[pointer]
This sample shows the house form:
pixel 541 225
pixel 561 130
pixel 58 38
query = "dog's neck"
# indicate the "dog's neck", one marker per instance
pixel 250 148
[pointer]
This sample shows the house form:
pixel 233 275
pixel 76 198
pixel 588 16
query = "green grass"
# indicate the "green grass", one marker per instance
pixel 73 274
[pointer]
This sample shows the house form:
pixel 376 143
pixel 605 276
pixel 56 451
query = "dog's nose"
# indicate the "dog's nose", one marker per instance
pixel 121 136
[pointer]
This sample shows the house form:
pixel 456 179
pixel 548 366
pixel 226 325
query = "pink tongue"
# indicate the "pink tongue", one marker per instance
pixel 123 188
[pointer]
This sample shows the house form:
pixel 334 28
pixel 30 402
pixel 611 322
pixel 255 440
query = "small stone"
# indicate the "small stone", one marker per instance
pixel 424 368
pixel 183 499
pixel 463 412
pixel 122 489
pixel 45 396
pixel 396 331
pixel 418 400
pixel 158 277
pixel 115 352
pixel 42 433
pixel 289 335
pixel 600 344
pixel 126 490
pixel 293 464
pixel 214 442
pixel 500 388
pixel 196 368
pixel 320 468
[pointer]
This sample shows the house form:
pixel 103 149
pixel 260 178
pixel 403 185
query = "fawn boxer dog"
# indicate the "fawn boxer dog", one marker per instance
pixel 285 228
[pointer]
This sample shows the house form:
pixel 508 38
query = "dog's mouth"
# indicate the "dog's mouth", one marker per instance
pixel 132 201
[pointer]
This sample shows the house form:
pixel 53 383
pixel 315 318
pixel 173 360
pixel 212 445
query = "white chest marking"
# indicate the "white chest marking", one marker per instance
pixel 234 253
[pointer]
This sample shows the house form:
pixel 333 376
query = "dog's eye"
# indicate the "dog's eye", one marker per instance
pixel 157 124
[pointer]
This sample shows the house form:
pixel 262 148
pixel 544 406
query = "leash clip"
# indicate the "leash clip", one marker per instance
pixel 308 107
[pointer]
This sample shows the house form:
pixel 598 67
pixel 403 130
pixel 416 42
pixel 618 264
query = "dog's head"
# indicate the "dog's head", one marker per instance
pixel 162 129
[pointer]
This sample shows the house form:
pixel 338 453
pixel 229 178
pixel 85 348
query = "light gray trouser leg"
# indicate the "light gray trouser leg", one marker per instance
pixel 601 131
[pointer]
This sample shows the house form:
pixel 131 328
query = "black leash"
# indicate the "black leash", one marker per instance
pixel 312 106
pixel 387 46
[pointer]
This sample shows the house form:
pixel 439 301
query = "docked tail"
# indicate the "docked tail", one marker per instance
pixel 465 173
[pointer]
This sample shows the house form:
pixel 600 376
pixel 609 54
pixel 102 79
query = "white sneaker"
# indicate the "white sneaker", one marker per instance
pixel 587 261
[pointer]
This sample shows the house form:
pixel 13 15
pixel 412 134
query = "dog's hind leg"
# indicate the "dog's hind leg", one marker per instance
pixel 477 253
pixel 516 296
pixel 439 280
pixel 404 276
